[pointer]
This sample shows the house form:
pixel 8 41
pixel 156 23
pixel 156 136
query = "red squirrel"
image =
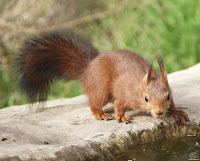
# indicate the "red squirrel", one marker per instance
pixel 118 75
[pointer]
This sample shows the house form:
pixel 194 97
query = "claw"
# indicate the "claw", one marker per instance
pixel 124 119
pixel 187 120
pixel 103 116
pixel 179 116
pixel 128 121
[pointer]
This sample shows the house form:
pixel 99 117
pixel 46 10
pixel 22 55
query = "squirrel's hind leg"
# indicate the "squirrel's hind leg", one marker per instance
pixel 96 104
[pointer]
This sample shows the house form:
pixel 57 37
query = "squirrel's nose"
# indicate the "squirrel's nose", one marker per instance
pixel 160 113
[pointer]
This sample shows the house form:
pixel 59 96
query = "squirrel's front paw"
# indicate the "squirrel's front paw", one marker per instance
pixel 103 116
pixel 124 119
pixel 179 116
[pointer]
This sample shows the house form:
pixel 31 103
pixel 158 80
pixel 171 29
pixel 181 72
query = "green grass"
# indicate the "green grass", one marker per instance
pixel 169 27
pixel 146 27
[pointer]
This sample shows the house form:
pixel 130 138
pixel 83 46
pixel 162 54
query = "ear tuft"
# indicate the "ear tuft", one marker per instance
pixel 162 68
pixel 149 64
pixel 160 61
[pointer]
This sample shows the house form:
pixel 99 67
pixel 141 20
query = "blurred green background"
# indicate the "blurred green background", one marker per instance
pixel 143 26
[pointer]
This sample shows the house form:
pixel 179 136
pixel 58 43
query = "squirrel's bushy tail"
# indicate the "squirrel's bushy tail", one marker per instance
pixel 49 57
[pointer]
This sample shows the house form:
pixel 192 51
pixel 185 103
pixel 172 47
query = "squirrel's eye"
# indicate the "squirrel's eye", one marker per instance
pixel 146 99
pixel 168 97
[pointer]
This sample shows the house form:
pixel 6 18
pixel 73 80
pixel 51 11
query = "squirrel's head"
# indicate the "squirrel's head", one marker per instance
pixel 155 91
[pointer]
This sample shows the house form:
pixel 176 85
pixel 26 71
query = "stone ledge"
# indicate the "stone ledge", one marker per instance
pixel 67 130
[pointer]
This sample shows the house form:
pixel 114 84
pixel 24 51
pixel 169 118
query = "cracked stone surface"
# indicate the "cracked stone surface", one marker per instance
pixel 67 130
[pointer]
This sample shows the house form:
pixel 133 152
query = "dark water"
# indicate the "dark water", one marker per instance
pixel 184 149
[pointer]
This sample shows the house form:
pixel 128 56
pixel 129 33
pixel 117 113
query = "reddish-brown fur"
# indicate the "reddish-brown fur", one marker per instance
pixel 120 76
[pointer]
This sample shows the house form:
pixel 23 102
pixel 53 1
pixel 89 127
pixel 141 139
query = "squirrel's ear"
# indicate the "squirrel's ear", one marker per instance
pixel 162 69
pixel 148 72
